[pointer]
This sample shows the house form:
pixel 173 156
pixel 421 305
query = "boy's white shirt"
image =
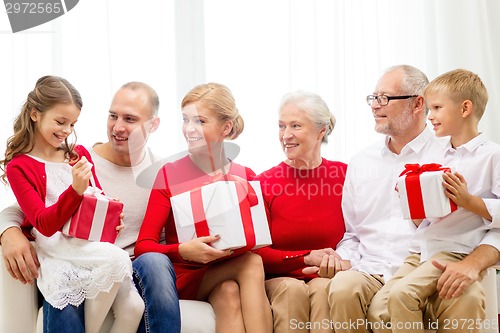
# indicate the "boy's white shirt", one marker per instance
pixel 462 231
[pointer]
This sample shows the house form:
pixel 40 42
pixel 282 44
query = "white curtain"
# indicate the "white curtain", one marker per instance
pixel 260 49
pixel 263 49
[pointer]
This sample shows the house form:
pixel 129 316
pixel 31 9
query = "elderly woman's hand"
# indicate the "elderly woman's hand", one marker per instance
pixel 198 250
pixel 315 257
pixel 330 265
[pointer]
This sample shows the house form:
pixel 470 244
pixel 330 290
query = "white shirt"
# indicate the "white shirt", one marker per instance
pixel 124 183
pixel 461 231
pixel 377 237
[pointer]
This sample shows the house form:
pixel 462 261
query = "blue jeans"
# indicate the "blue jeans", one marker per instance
pixel 154 278
pixel 70 319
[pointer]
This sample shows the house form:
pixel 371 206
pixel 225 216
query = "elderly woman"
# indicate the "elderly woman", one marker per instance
pixel 303 196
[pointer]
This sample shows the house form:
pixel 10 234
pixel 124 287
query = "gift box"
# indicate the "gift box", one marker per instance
pixel 96 219
pixel 233 209
pixel 422 193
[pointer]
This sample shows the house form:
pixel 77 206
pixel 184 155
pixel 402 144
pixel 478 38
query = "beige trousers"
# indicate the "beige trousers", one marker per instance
pixel 298 306
pixel 410 303
pixel 349 295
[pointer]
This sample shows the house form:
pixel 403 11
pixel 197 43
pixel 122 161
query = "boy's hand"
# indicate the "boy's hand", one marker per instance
pixel 456 189
pixel 82 171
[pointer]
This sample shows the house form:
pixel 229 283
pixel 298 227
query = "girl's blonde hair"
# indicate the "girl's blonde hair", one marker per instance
pixel 48 92
pixel 219 99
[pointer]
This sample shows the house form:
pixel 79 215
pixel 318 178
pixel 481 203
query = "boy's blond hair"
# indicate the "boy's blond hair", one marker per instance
pixel 461 85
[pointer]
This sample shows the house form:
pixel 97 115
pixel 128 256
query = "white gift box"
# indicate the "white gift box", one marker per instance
pixel 220 207
pixel 423 196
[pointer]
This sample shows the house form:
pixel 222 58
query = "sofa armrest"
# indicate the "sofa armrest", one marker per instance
pixel 18 303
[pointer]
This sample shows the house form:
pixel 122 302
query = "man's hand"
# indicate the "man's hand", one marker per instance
pixel 456 277
pixel 19 256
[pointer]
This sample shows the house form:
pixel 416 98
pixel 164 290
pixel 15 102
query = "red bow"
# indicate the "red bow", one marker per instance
pixel 418 169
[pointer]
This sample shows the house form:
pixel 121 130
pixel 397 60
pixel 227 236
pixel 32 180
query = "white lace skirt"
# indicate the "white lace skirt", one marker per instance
pixel 73 269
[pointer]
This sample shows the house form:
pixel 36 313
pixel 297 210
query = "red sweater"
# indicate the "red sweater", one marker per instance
pixel 28 181
pixel 304 210
pixel 172 179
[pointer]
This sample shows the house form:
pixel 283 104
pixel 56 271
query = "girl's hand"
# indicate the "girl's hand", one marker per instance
pixel 82 171
pixel 198 250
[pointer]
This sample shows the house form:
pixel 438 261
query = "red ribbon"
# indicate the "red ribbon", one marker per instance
pixel 418 169
pixel 246 198
pixel 412 181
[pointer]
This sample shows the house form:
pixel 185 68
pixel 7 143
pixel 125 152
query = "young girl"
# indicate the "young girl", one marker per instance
pixel 234 286
pixel 48 177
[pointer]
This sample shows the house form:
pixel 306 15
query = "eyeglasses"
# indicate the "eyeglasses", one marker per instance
pixel 383 100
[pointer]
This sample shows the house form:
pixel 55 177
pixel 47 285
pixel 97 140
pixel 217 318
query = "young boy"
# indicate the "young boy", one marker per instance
pixel 456 102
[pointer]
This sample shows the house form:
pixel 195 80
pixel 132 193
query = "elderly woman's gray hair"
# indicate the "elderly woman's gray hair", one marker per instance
pixel 314 106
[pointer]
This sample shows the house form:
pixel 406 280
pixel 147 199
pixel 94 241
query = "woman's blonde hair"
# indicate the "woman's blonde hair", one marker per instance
pixel 48 92
pixel 219 99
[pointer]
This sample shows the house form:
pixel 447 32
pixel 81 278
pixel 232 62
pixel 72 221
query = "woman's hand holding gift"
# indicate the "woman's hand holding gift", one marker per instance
pixel 199 250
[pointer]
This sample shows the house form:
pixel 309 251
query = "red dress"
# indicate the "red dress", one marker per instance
pixel 172 179
pixel 304 210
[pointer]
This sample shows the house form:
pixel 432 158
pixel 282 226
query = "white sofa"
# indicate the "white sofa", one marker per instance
pixel 19 311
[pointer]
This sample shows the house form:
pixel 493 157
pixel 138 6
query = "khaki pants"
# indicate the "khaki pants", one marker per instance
pixel 298 306
pixel 349 295
pixel 410 302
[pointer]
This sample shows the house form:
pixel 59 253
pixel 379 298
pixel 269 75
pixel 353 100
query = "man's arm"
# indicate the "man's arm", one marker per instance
pixel 11 216
pixel 348 247
pixel 458 276
pixel 19 255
